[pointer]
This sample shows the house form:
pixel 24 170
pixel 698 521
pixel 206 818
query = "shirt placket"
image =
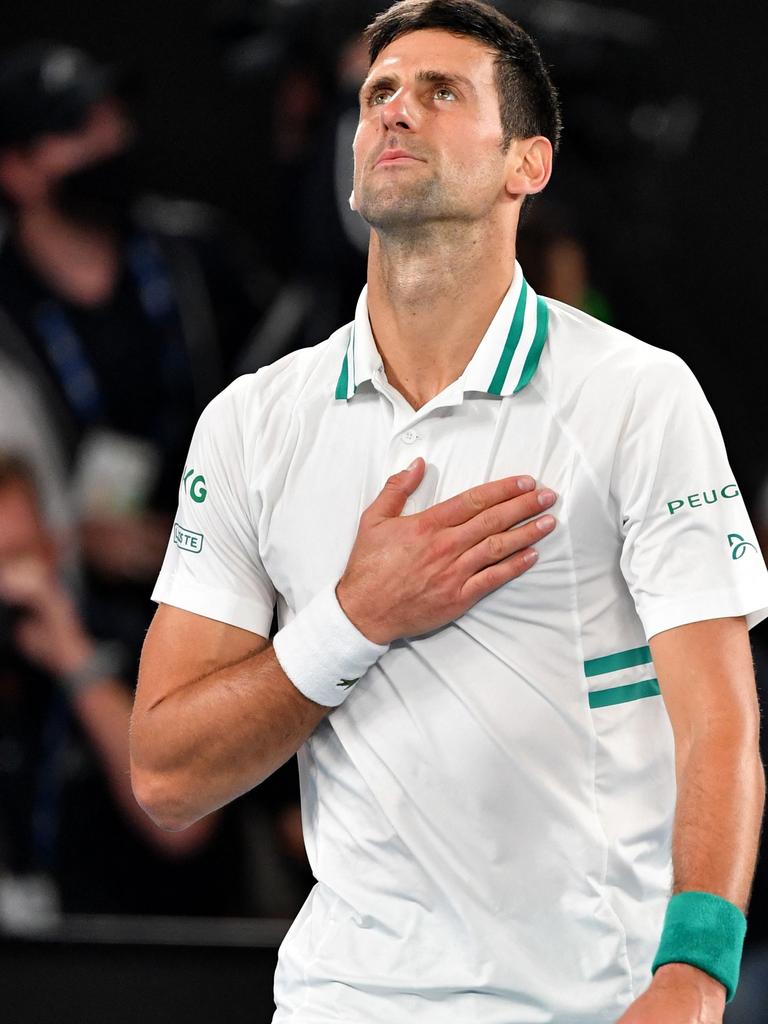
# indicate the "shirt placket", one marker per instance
pixel 414 434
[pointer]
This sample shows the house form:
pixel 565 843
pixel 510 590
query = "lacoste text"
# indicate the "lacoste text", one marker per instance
pixel 187 540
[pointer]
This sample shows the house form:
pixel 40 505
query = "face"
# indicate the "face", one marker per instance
pixel 428 145
pixel 22 535
pixel 33 174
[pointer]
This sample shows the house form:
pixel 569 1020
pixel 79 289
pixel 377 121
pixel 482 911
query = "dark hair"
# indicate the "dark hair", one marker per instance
pixel 528 101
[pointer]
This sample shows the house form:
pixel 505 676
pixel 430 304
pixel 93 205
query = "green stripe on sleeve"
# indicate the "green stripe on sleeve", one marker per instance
pixel 614 662
pixel 622 694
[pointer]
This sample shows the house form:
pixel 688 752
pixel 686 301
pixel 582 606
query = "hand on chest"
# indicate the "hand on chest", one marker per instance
pixel 331 475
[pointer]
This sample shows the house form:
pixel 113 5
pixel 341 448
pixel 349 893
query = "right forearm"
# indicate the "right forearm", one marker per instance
pixel 215 738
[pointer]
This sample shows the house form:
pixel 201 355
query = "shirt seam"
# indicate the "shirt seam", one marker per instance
pixel 593 745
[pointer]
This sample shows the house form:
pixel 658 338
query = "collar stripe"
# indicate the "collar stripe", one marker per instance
pixel 516 366
pixel 341 383
pixel 345 385
pixel 534 353
pixel 510 345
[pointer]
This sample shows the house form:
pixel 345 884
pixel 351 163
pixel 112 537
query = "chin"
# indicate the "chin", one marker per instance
pixel 392 208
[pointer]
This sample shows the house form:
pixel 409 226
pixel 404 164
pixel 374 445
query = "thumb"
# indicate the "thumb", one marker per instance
pixel 397 490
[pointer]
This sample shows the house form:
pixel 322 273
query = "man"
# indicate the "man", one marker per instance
pixel 489 813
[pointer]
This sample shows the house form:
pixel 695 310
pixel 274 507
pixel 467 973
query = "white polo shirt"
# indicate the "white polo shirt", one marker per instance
pixel 489 813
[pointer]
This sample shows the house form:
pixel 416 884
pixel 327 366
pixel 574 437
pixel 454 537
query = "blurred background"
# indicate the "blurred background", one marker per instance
pixel 173 213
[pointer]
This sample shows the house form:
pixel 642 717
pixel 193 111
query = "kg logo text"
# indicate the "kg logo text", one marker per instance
pixel 194 486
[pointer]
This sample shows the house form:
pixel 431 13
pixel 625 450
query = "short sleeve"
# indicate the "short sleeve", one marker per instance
pixel 689 550
pixel 212 565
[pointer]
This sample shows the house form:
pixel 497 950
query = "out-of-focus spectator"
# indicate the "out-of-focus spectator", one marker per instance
pixel 26 428
pixel 127 312
pixel 69 824
pixel 119 318
pixel 324 244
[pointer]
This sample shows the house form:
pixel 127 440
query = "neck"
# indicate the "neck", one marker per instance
pixel 431 298
pixel 78 261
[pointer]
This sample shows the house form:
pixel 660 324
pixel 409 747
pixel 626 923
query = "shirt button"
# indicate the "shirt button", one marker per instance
pixel 410 436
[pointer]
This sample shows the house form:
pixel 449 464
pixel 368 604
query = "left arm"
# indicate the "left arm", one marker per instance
pixel 707 682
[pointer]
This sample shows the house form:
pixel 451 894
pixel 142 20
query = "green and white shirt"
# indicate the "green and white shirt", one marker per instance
pixel 489 813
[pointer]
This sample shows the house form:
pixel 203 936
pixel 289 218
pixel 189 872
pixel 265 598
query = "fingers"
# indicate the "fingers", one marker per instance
pixel 465 506
pixel 396 491
pixel 494 576
pixel 500 546
pixel 498 518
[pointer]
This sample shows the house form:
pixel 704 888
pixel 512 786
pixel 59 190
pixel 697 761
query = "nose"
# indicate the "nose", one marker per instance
pixel 399 112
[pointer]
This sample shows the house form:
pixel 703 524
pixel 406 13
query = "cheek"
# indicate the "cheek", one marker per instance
pixel 478 157
pixel 364 139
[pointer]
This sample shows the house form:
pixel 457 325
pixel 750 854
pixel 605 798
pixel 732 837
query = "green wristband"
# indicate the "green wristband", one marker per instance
pixel 706 931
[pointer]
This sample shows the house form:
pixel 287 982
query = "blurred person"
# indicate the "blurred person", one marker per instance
pixel 531 784
pixel 128 310
pixel 26 429
pixel 67 812
pixel 321 243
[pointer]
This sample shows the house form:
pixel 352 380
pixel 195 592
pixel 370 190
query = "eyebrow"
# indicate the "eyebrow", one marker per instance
pixel 446 77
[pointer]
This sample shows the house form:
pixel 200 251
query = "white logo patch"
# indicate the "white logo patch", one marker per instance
pixel 187 540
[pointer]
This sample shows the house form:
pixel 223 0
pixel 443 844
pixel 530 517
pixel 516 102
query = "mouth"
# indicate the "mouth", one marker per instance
pixel 392 157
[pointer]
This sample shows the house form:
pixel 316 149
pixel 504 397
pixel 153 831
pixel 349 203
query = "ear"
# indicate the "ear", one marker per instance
pixel 529 165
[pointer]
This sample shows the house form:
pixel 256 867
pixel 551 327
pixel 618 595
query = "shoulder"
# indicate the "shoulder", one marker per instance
pixel 586 353
pixel 276 392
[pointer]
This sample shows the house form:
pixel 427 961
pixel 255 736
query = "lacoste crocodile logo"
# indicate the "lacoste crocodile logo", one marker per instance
pixel 346 683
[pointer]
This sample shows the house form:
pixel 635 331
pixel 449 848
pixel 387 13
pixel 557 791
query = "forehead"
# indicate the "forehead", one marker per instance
pixel 428 49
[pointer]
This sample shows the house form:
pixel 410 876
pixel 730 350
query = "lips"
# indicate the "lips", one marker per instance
pixel 394 155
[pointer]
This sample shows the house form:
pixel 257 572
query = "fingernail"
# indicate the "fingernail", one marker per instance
pixel 526 483
pixel 545 523
pixel 530 557
pixel 412 465
pixel 547 498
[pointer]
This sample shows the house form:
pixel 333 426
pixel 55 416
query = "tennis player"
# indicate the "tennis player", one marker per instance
pixel 531 787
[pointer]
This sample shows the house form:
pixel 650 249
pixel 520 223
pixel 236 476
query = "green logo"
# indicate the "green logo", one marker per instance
pixel 346 683
pixel 187 540
pixel 701 498
pixel 196 489
pixel 738 545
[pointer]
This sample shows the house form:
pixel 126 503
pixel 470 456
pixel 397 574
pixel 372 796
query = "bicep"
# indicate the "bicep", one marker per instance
pixel 707 679
pixel 182 646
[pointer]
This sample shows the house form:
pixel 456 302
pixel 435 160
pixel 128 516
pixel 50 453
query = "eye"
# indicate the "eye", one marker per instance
pixel 443 92
pixel 379 96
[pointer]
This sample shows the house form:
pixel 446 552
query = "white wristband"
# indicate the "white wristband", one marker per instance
pixel 322 652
